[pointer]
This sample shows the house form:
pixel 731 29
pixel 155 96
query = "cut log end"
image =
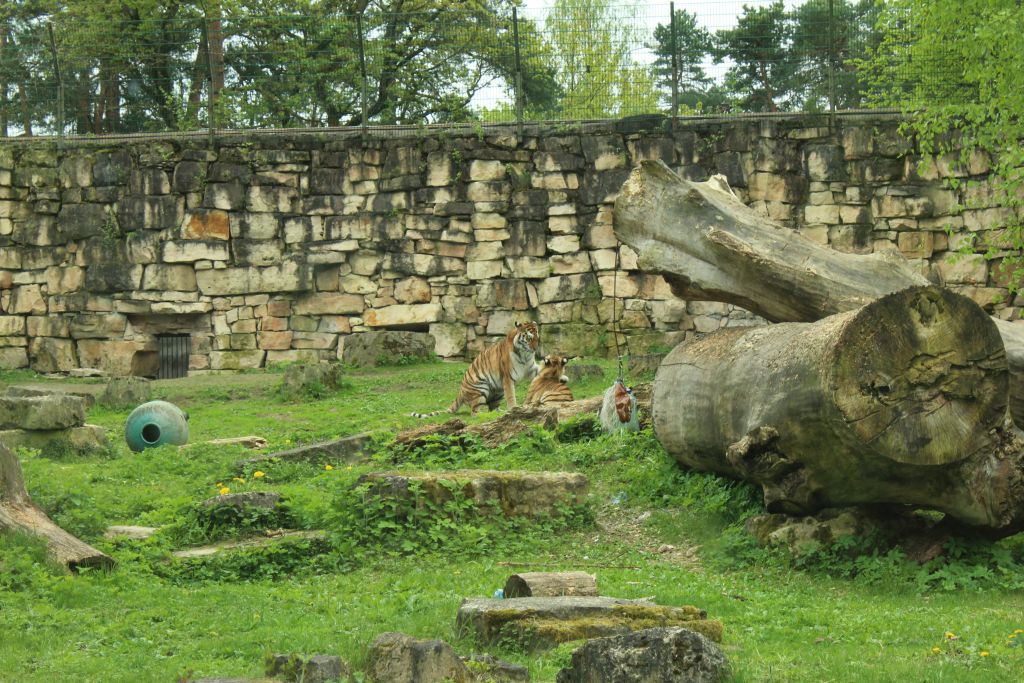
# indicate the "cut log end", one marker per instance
pixel 921 376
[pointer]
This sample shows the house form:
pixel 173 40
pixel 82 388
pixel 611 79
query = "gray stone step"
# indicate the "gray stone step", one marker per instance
pixel 542 623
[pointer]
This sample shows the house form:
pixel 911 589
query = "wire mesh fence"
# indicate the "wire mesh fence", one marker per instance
pixel 472 63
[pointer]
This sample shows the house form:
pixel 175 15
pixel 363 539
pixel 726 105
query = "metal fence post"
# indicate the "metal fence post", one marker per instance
pixel 519 72
pixel 675 64
pixel 362 71
pixel 211 100
pixel 60 82
pixel 831 58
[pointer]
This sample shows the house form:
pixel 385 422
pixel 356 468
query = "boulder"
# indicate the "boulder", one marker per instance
pixel 398 658
pixel 54 411
pixel 349 449
pixel 389 347
pixel 84 394
pixel 542 623
pixel 655 655
pixel 83 439
pixel 511 493
pixel 315 669
pixel 125 392
pixel 306 379
pixel 266 500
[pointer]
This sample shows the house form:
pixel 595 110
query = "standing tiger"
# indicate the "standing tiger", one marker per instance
pixel 550 385
pixel 494 372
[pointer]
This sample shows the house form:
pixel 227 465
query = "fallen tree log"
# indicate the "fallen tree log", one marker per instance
pixel 19 513
pixel 709 246
pixel 899 401
pixel 550 584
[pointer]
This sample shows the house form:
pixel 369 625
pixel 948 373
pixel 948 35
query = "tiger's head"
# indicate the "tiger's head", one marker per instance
pixel 553 367
pixel 525 335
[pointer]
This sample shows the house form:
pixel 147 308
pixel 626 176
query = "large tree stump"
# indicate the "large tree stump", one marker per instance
pixel 19 513
pixel 899 401
pixel 709 246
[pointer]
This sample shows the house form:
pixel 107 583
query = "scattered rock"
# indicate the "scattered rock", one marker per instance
pixel 266 500
pixel 386 347
pixel 311 379
pixel 398 658
pixel 125 392
pixel 577 372
pixel 135 533
pixel 315 669
pixel 542 623
pixel 513 493
pixel 656 655
pixel 84 394
pixel 349 449
pixel 254 442
pixel 84 439
pixel 86 372
pixel 260 541
pixel 489 669
pixel 53 411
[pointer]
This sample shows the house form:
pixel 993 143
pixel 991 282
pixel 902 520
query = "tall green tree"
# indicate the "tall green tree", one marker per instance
pixel 954 66
pixel 827 43
pixel 693 45
pixel 764 70
pixel 591 45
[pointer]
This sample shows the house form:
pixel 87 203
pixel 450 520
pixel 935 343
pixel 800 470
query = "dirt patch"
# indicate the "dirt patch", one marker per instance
pixel 627 526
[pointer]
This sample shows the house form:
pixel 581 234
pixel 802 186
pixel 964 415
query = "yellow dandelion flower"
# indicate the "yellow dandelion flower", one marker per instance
pixel 238 479
pixel 1012 636
pixel 219 484
pixel 983 653
pixel 328 467
pixel 1018 630
pixel 224 491
pixel 950 635
pixel 936 650
pixel 257 474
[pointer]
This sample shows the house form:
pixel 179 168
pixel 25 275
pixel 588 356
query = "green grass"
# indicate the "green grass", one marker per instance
pixel 828 618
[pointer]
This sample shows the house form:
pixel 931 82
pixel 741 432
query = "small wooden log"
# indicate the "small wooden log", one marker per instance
pixel 550 584
pixel 19 513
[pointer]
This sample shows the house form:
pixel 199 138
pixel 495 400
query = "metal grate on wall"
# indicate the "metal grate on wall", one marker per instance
pixel 174 353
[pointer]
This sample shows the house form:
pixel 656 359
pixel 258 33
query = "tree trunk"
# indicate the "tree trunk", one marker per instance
pixel 899 401
pixel 3 83
pixel 19 513
pixel 711 247
pixel 550 584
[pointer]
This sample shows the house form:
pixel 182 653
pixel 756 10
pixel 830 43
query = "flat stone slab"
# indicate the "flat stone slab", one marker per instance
pixel 543 623
pixel 257 542
pixel 85 394
pixel 313 669
pixel 513 493
pixel 348 450
pixel 53 411
pixel 136 533
pixel 83 439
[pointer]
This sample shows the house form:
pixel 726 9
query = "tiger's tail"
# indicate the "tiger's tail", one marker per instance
pixel 455 406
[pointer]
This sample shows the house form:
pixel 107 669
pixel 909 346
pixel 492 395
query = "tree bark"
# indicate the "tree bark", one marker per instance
pixel 900 401
pixel 709 246
pixel 19 513
pixel 550 584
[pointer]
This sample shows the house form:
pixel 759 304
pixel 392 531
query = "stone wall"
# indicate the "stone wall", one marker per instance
pixel 274 248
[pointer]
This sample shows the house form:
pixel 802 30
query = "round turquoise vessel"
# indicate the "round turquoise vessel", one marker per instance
pixel 156 423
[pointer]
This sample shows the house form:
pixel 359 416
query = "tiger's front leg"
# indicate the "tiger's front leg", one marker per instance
pixel 510 391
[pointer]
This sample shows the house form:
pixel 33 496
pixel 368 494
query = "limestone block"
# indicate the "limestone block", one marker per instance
pixel 825 162
pixel 323 303
pixel 112 168
pixel 270 199
pixel 206 224
pixel 12 358
pixel 402 314
pixel 49 354
pixel 559 312
pixel 365 262
pixel 564 244
pixel 398 658
pixel 529 267
pixel 491 235
pixel 368 349
pixel 563 224
pixel 970 269
pixel 180 278
pixel 916 244
pixel 27 299
pixel 412 290
pixel 357 284
pixel 256 226
pixel 567 287
pixel 79 221
pixel 75 171
pixel 182 251
pixel 113 357
pixel 480 169
pixel 620 285
pixel 288 276
pixel 422 264
pixel 439 169
pixel 567 264
pixel 779 188
pixel 97 325
pixel 237 360
pixel 485 251
pixel 48 326
pixel 826 213
pixel 314 340
pixel 449 339
pixel 488 221
pixel 12 325
pixel 488 191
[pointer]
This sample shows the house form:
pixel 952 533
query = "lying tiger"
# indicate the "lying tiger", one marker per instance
pixel 550 385
pixel 494 373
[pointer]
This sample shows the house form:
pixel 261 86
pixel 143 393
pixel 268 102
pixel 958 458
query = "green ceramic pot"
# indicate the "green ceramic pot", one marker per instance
pixel 156 423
